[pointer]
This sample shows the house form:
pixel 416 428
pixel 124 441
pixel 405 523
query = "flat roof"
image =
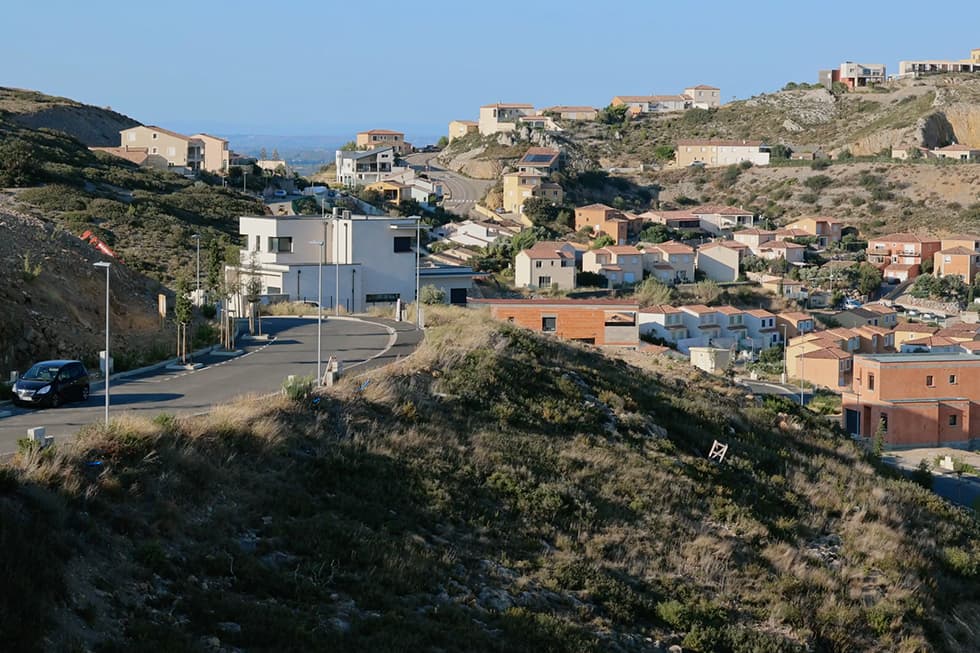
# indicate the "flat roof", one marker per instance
pixel 929 357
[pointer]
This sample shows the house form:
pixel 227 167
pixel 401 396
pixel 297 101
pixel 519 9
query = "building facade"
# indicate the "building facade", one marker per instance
pixel 370 259
pixel 357 168
pixel 717 152
pixel 604 323
pixel 915 400
pixel 375 138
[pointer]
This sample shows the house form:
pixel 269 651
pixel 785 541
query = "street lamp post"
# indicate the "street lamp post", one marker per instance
pixel 319 309
pixel 418 247
pixel 197 237
pixel 785 352
pixel 106 265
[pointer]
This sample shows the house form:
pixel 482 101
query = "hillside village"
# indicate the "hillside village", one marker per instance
pixel 817 246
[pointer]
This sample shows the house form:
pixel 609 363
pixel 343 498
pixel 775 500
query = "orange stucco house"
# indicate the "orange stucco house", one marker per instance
pixel 919 400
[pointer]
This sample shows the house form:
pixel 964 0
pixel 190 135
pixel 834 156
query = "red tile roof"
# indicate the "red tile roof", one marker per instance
pixel 548 249
pixel 718 142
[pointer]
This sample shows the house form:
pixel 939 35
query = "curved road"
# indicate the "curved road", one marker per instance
pixel 360 344
pixel 464 192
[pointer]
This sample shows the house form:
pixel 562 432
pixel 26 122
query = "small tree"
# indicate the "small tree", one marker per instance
pixel 878 441
pixel 263 154
pixel 214 264
pixel 603 240
pixel 442 142
pixel 650 292
pixel 706 292
pixel 432 295
pixel 182 313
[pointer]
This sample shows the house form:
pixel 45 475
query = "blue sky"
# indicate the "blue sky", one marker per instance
pixel 323 67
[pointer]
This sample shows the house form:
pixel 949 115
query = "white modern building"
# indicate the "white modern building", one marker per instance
pixel 357 168
pixel 371 260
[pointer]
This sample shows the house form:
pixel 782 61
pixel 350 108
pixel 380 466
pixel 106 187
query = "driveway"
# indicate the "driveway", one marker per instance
pixel 462 193
pixel 360 343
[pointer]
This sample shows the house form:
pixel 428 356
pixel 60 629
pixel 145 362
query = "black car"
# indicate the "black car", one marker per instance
pixel 52 383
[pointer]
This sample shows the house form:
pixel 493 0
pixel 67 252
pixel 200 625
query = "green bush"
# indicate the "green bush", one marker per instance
pixel 298 388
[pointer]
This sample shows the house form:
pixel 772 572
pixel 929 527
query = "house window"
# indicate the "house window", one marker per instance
pixel 883 422
pixel 544 282
pixel 952 379
pixel 402 244
pixel 154 136
pixel 930 381
pixel 284 244
pixel 537 264
pixel 153 150
pixel 258 243
pixel 952 420
pixel 549 323
pixel 871 382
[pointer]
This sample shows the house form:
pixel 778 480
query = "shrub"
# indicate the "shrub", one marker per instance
pixel 820 164
pixel 818 182
pixel 432 295
pixel 298 388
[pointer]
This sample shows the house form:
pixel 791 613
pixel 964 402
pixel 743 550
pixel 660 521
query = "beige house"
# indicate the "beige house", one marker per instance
pixel 652 103
pixel 712 152
pixel 166 149
pixel 754 238
pixel 545 264
pixel 519 186
pixel 703 96
pixel 460 128
pixel 572 113
pixel 620 264
pixel 216 153
pixel 502 117
pixel 719 261
pixel 670 262
pixel 376 138
pixel 957 152
pixel 825 230
pixel 792 252
pixel 275 165
pixel 933 66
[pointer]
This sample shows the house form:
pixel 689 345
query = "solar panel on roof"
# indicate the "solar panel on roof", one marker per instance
pixel 538 158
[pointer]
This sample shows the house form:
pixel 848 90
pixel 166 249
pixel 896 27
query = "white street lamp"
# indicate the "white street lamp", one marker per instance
pixel 106 265
pixel 319 309
pixel 418 248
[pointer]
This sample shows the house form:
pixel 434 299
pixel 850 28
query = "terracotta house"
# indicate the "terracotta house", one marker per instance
pixel 618 225
pixel 917 400
pixel 605 323
pixel 677 259
pixel 902 249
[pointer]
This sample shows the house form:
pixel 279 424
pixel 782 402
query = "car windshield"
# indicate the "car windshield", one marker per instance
pixel 41 372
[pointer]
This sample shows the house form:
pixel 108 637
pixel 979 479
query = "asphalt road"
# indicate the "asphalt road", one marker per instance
pixel 261 370
pixel 782 389
pixel 464 192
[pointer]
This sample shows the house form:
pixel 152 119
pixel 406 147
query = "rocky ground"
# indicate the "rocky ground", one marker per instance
pixel 53 298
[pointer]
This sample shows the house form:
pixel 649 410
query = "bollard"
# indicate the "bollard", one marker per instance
pixel 36 436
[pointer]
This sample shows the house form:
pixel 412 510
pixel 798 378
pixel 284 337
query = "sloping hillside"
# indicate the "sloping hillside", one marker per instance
pixel 54 300
pixel 146 215
pixel 91 125
pixel 497 491
pixel 934 111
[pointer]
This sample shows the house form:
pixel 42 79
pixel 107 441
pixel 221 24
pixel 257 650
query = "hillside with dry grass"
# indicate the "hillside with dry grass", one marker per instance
pixel 54 300
pixel 90 125
pixel 496 491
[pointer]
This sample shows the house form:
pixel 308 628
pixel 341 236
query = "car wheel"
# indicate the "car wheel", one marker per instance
pixel 85 392
pixel 55 399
